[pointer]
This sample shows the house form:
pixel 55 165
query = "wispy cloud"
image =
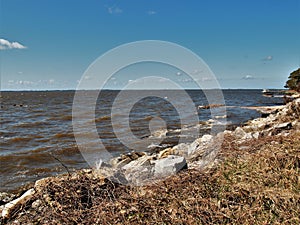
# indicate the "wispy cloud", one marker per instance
pixel 114 10
pixel 29 83
pixel 248 77
pixel 151 12
pixel 5 44
pixel 185 80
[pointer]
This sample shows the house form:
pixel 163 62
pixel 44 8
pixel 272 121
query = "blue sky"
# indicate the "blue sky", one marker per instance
pixel 49 44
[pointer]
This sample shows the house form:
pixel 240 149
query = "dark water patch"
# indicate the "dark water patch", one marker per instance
pixel 64 135
pixel 67 118
pixel 43 140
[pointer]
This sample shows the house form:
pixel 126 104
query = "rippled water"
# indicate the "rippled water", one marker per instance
pixel 36 127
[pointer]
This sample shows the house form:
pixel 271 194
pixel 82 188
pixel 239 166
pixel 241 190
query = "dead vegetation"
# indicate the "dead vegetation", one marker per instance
pixel 257 183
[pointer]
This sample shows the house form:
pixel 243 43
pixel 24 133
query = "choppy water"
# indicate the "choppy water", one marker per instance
pixel 36 127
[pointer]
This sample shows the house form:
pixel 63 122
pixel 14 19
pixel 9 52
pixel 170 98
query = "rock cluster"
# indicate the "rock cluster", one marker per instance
pixel 276 123
pixel 140 166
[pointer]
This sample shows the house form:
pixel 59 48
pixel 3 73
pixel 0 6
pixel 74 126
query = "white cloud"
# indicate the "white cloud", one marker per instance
pixel 268 58
pixel 20 82
pixel 51 81
pixel 151 12
pixel 207 79
pixel 114 10
pixel 5 44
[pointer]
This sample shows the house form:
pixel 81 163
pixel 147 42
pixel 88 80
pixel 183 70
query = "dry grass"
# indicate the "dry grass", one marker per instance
pixel 257 183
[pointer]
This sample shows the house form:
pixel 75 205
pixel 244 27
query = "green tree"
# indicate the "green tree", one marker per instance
pixel 293 82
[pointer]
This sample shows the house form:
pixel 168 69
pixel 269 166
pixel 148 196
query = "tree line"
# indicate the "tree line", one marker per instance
pixel 293 82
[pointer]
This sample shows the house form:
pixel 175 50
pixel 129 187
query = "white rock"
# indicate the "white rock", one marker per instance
pixel 255 135
pixel 142 161
pixel 205 139
pixel 194 146
pixel 227 132
pixel 240 133
pixel 199 144
pixel 169 166
pixel 286 125
pixel 247 136
pixel 139 176
pixel 181 149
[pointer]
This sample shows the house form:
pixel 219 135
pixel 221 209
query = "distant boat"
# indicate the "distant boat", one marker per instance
pixel 273 93
pixel 268 93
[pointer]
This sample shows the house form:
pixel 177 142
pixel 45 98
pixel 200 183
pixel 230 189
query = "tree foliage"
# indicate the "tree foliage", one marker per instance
pixel 293 82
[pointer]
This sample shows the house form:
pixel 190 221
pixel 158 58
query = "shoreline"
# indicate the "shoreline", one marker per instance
pixel 207 123
pixel 280 123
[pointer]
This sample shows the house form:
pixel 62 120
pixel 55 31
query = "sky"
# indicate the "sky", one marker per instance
pixel 49 44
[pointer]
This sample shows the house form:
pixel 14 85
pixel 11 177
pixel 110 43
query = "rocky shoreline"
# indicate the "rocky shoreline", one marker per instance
pixel 138 167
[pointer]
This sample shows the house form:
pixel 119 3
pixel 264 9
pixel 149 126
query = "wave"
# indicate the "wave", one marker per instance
pixel 66 118
pixel 21 139
pixel 31 124
pixel 64 135
pixel 102 118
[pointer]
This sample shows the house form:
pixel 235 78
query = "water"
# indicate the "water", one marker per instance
pixel 36 127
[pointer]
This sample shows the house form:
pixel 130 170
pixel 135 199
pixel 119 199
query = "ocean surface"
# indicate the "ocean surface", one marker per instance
pixel 36 131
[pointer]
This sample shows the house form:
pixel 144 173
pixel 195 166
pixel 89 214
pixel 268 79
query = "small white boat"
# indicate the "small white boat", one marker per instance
pixel 268 93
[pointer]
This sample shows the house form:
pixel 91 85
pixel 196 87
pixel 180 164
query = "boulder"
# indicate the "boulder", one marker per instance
pixel 255 135
pixel 139 175
pixel 283 126
pixel 137 171
pixel 205 139
pixel 192 148
pixel 199 144
pixel 138 163
pixel 181 149
pixel 239 133
pixel 124 159
pixel 279 128
pixel 169 166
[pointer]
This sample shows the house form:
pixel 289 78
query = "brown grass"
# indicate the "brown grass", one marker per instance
pixel 257 183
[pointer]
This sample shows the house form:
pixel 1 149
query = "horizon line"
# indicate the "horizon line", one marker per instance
pixel 106 89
